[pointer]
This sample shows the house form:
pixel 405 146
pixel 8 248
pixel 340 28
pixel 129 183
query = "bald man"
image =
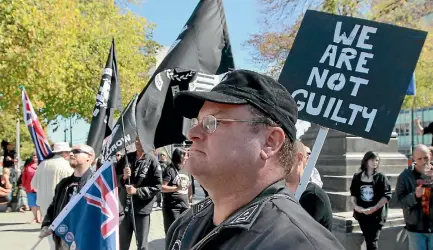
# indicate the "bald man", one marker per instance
pixel 414 196
pixel 81 158
pixel 315 175
pixel 314 200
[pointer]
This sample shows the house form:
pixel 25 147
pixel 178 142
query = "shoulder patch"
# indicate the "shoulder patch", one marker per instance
pixel 247 215
pixel 199 207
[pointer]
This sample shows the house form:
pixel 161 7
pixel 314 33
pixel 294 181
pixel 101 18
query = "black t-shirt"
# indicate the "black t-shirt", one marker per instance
pixel 175 177
pixel 72 188
pixel 316 202
pixel 8 163
pixel 366 194
pixel 429 130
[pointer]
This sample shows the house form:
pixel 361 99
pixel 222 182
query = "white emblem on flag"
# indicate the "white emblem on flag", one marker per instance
pixel 205 82
pixel 175 90
pixel 108 71
pixel 95 112
pixel 159 82
pixel 69 237
pixel 62 229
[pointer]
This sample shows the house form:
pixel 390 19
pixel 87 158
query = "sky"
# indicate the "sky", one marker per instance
pixel 170 16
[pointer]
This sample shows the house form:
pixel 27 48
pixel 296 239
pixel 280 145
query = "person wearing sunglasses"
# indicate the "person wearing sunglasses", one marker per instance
pixel 82 157
pixel 243 134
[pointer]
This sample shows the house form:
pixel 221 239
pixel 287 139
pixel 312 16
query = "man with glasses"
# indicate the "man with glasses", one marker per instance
pixel 242 145
pixel 81 159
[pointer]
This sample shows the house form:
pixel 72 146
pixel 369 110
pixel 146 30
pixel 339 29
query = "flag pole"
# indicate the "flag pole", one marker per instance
pixel 129 180
pixel 17 144
pixel 36 244
pixel 413 134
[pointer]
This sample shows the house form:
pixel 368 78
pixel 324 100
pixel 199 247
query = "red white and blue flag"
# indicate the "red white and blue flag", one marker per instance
pixel 43 149
pixel 91 218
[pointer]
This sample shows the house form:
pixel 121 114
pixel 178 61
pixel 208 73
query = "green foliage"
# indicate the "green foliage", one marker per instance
pixel 57 49
pixel 8 132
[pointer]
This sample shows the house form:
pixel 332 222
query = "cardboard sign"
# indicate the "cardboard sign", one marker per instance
pixel 351 74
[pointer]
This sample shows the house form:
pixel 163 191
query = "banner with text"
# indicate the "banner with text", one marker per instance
pixel 351 74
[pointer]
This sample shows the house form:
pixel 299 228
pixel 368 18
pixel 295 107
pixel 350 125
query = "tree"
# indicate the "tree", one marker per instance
pixel 57 49
pixel 8 132
pixel 282 19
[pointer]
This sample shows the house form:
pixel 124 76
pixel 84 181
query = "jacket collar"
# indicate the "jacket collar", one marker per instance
pixel 87 175
pixel 245 216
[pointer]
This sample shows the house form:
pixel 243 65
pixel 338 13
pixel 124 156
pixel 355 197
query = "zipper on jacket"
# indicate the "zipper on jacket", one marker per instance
pixel 208 237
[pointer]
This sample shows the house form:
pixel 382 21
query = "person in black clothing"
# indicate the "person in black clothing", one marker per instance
pixel 370 192
pixel 9 154
pixel 140 182
pixel 414 195
pixel 314 200
pixel 176 188
pixel 163 163
pixel 82 157
pixel 242 134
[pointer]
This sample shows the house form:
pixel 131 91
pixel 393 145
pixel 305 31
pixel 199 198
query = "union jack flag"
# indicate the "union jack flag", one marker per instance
pixel 43 149
pixel 91 218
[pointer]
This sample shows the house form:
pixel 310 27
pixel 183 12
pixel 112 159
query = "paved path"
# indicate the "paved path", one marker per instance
pixel 17 234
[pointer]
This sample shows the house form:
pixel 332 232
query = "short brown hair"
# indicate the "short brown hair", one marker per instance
pixel 287 150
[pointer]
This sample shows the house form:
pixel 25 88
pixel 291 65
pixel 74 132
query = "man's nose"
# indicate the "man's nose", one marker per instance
pixel 196 133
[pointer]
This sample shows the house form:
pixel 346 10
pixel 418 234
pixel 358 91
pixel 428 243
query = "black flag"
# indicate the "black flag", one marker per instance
pixel 107 100
pixel 115 142
pixel 203 47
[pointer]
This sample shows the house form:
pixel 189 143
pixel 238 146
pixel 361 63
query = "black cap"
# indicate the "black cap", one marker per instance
pixel 245 87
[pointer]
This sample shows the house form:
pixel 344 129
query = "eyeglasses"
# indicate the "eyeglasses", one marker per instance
pixel 210 122
pixel 78 151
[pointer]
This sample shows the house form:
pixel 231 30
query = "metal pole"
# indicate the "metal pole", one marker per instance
pixel 412 127
pixel 17 144
pixel 70 131
pixel 411 131
pixel 66 129
pixel 129 182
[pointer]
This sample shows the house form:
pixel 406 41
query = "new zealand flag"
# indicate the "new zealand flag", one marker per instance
pixel 43 149
pixel 91 218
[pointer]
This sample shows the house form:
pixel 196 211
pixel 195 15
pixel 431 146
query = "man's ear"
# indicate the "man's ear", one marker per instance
pixel 274 140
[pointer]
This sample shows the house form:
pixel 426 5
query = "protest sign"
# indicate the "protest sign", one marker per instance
pixel 351 74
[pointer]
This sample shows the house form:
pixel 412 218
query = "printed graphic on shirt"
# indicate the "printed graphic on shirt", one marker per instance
pixel 72 190
pixel 367 193
pixel 182 180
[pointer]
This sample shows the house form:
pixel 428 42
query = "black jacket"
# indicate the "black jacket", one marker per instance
pixel 416 220
pixel 273 220
pixel 316 202
pixel 146 177
pixel 381 188
pixel 59 200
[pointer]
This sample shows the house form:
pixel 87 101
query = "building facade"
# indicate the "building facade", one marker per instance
pixel 405 128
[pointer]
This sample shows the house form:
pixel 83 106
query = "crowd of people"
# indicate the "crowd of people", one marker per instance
pixel 245 155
